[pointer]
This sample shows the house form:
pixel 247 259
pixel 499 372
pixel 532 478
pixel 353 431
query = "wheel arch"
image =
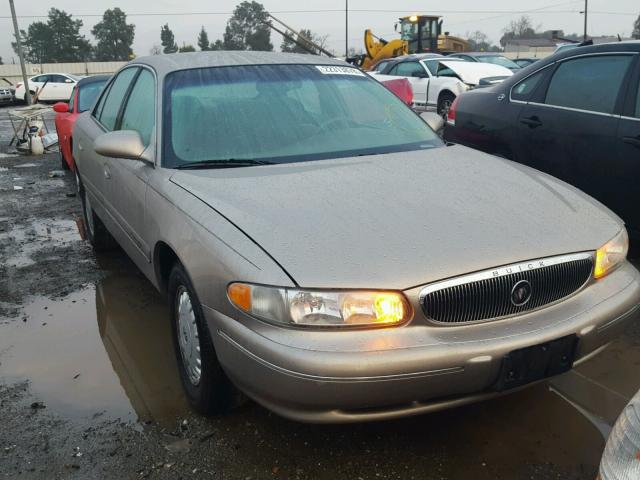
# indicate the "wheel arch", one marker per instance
pixel 164 258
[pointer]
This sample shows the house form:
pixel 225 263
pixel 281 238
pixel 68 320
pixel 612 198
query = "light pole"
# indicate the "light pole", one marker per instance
pixel 584 37
pixel 346 29
pixel 27 94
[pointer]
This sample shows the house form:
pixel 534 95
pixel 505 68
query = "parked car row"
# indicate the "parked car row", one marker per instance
pixel 437 80
pixel 325 253
pixel 575 115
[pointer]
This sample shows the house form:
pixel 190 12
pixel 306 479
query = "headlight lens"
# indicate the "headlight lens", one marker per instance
pixel 611 254
pixel 320 308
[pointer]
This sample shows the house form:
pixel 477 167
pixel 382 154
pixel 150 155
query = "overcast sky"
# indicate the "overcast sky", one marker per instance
pixel 490 16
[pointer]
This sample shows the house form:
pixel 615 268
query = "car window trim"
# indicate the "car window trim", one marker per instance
pixel 524 102
pixel 579 110
pixel 102 96
pixel 621 93
pixel 125 100
pixel 155 104
pixel 107 90
pixel 631 99
pixel 555 64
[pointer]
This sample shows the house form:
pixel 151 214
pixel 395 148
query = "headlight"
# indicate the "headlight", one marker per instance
pixel 611 254
pixel 340 308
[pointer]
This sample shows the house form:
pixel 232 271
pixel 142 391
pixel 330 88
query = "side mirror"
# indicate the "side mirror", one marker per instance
pixel 68 80
pixel 435 121
pixel 120 144
pixel 420 75
pixel 61 107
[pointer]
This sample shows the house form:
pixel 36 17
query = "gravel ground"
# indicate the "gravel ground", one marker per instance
pixel 89 389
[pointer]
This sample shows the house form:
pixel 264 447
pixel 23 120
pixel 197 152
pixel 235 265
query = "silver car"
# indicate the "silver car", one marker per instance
pixel 6 96
pixel 325 253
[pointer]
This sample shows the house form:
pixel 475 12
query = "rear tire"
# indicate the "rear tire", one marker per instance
pixel 206 386
pixel 444 103
pixel 97 234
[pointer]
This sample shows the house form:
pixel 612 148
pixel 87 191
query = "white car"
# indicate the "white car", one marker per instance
pixel 438 81
pixel 49 86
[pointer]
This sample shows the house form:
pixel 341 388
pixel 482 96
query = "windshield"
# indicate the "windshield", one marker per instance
pixel 284 113
pixel 498 60
pixel 88 94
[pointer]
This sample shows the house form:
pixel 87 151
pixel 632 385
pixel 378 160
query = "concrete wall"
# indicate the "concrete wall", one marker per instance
pixel 520 51
pixel 13 73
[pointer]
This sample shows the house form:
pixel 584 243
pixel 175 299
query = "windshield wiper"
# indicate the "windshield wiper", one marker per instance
pixel 225 163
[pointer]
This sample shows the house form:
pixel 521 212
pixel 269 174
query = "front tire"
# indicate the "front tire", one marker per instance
pixel 207 387
pixel 97 234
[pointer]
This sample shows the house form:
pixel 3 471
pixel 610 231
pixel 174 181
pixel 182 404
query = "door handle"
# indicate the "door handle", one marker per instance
pixel 635 141
pixel 532 122
pixel 107 173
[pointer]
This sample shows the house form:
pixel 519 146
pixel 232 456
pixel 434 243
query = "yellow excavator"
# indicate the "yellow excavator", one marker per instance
pixel 418 34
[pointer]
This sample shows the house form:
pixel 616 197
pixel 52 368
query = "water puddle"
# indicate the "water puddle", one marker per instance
pixel 102 352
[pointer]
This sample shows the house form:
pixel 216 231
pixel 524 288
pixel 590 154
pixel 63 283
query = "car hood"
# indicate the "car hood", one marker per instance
pixel 473 72
pixel 400 220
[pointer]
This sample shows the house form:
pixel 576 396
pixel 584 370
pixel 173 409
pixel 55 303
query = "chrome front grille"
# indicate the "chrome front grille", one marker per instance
pixel 506 291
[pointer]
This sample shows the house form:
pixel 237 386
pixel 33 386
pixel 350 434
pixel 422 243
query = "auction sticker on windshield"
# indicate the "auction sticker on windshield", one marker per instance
pixel 337 70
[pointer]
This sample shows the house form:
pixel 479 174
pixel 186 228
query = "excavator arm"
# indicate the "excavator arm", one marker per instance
pixel 378 49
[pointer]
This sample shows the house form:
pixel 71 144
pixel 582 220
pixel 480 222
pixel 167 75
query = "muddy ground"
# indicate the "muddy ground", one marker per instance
pixel 89 387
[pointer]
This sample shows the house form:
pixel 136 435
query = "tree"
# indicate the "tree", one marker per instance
pixel 35 43
pixel 168 40
pixel 56 41
pixel 247 29
pixel 1 62
pixel 217 45
pixel 114 36
pixel 203 40
pixel 478 41
pixel 186 48
pixel 155 50
pixel 636 29
pixel 520 28
pixel 302 45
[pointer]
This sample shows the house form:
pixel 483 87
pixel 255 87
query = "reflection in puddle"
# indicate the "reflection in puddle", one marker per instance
pixel 104 351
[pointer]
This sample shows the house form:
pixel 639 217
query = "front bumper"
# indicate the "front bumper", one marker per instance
pixel 359 375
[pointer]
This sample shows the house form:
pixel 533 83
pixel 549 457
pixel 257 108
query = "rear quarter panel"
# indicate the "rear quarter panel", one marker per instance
pixel 485 120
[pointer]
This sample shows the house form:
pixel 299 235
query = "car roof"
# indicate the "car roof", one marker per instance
pixel 614 47
pixel 93 79
pixel 164 64
pixel 626 46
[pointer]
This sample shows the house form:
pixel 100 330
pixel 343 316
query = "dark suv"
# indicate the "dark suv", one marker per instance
pixel 575 115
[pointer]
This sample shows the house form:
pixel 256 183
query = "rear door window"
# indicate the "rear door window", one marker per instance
pixel 113 101
pixel 589 83
pixel 58 79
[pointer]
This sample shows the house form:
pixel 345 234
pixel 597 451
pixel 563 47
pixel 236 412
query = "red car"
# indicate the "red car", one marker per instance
pixel 83 97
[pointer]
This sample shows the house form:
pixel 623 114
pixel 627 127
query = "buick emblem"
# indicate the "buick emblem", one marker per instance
pixel 521 293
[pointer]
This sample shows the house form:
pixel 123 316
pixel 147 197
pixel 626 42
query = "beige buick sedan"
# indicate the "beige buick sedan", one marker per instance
pixel 325 253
